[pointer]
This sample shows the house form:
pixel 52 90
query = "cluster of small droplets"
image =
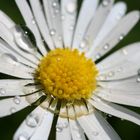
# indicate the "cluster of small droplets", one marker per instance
pixel 67 74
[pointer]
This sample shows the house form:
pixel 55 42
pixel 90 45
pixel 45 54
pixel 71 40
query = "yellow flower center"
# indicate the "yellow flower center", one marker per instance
pixel 67 74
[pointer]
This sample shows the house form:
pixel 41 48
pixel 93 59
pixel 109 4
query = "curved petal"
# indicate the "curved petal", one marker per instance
pixel 52 12
pixel 31 23
pixel 87 10
pixel 125 63
pixel 97 128
pixel 41 22
pixel 62 129
pixel 68 12
pixel 76 131
pixel 115 35
pixel 116 13
pixel 13 87
pixel 14 104
pixel 115 110
pixel 97 22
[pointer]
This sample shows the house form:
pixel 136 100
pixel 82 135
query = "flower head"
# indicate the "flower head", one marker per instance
pixel 66 66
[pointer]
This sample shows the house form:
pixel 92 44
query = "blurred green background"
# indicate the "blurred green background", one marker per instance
pixel 127 130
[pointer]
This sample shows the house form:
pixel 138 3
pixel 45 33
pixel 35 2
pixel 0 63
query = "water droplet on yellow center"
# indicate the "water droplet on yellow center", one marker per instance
pixel 67 74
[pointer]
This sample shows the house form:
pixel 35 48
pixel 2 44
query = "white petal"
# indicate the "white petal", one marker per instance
pixel 11 87
pixel 97 128
pixel 127 86
pixel 40 19
pixel 14 104
pixel 87 10
pixel 115 110
pixel 125 63
pixel 76 131
pixel 115 96
pixel 6 20
pixel 43 130
pixel 116 34
pixel 30 124
pixel 97 22
pixel 62 129
pixel 6 48
pixel 52 12
pixel 116 13
pixel 68 12
pixel 31 23
pixel 9 36
pixel 10 65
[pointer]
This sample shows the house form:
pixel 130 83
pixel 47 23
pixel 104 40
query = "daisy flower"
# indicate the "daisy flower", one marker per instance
pixel 63 72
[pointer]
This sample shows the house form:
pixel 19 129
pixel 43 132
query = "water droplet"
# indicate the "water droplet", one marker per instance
pixel 52 32
pixel 2 91
pixel 22 137
pixel 71 7
pixel 24 39
pixel 124 51
pixel 12 110
pixel 102 77
pixel 138 79
pixel 78 135
pixel 121 37
pixel 9 58
pixel 111 73
pixel 56 11
pixel 109 115
pixel 59 128
pixel 106 46
pixel 33 22
pixel 98 55
pixel 62 17
pixel 105 2
pixel 17 100
pixel 83 44
pixel 32 121
pixel 54 4
pixel 71 28
pixel 95 133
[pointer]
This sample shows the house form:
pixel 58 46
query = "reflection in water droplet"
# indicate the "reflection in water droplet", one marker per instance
pixel 105 2
pixel 17 100
pixel 121 37
pixel 12 110
pixel 71 7
pixel 106 46
pixel 71 27
pixel 52 32
pixel 138 79
pixel 54 4
pixel 22 137
pixel 32 121
pixel 2 91
pixel 124 51
pixel 33 22
pixel 111 73
pixel 78 135
pixel 83 44
pixel 98 55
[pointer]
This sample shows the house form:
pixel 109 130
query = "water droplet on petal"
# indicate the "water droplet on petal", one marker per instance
pixel 105 3
pixel 12 110
pixel 109 115
pixel 71 27
pixel 111 73
pixel 83 44
pixel 17 100
pixel 124 51
pixel 78 135
pixel 32 121
pixel 121 37
pixel 62 17
pixel 22 137
pixel 52 32
pixel 9 58
pixel 106 46
pixel 59 128
pixel 71 7
pixel 138 79
pixel 2 91
pixel 54 4
pixel 95 133
pixel 33 22
pixel 98 55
